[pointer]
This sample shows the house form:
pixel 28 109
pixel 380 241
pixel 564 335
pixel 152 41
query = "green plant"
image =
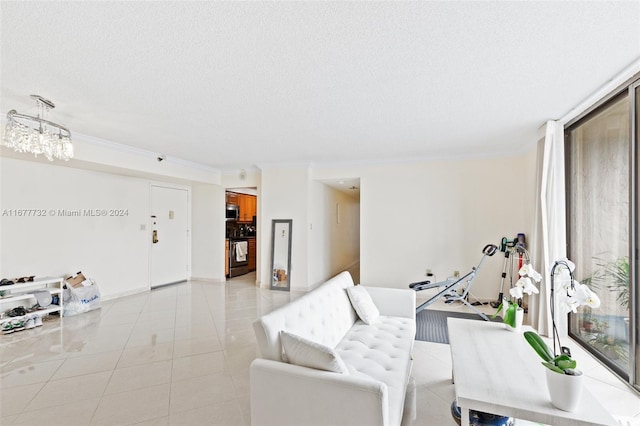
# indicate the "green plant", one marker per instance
pixel 610 346
pixel 607 344
pixel 509 314
pixel 562 363
pixel 614 275
pixel 599 326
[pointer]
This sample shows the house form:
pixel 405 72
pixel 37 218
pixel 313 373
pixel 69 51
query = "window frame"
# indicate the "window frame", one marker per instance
pixel 630 89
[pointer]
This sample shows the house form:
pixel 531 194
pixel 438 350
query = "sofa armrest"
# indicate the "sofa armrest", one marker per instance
pixel 285 394
pixel 395 302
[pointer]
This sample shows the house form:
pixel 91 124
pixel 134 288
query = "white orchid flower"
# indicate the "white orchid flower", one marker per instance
pixel 585 296
pixel 528 271
pixel 565 286
pixel 527 285
pixel 524 271
pixel 569 304
pixel 516 292
pixel 567 263
pixel 593 301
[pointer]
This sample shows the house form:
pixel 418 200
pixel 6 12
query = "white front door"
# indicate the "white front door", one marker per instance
pixel 170 235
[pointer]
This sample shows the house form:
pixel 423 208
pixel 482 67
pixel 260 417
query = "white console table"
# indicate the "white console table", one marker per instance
pixel 496 371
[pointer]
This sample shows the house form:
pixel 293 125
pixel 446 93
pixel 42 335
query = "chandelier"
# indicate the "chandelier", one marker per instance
pixel 37 135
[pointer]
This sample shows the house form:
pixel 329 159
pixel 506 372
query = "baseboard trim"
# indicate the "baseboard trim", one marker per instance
pixel 168 284
pixel 125 293
pixel 208 279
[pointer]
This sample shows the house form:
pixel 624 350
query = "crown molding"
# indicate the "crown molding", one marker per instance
pixel 114 146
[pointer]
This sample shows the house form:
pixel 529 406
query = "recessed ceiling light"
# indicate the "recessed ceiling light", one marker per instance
pixel 340 182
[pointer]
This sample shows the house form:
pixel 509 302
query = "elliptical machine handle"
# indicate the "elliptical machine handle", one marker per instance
pixel 490 249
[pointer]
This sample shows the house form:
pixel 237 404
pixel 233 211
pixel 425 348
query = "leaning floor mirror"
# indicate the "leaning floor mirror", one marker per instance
pixel 281 254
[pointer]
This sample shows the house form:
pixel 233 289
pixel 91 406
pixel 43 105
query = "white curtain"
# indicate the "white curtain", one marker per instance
pixel 549 240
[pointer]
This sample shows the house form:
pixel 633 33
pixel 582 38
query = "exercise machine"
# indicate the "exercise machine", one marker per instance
pixel 450 288
pixel 509 248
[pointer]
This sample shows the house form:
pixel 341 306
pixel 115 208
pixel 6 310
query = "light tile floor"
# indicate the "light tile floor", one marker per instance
pixel 180 355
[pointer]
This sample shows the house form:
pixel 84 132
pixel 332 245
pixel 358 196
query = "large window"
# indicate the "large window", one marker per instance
pixel 601 222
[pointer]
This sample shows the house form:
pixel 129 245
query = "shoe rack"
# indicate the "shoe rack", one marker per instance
pixel 22 294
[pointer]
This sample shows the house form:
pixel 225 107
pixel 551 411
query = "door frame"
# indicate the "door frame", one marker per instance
pixel 150 226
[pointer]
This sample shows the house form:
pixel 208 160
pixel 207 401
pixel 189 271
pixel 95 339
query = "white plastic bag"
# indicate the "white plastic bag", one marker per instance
pixel 78 300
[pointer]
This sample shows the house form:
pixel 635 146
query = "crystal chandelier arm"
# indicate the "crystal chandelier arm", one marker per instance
pixel 14 114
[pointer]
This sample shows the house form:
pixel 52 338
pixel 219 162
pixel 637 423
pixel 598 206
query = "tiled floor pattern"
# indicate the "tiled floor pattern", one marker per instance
pixel 180 355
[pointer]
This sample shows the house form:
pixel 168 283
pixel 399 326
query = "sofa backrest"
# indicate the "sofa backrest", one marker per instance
pixel 323 315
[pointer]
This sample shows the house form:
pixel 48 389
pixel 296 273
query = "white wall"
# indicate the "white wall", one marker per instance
pixel 439 215
pixel 334 246
pixel 413 216
pixel 283 195
pixel 112 250
pixel 208 232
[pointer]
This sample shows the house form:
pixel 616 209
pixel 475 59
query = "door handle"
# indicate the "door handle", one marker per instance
pixel 155 236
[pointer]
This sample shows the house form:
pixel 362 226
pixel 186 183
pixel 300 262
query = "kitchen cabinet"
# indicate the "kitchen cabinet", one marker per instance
pixel 242 202
pixel 226 258
pixel 252 254
pixel 248 207
pixel 252 207
pixel 232 198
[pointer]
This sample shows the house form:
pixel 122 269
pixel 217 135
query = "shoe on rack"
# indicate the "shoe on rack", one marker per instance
pixel 7 328
pixel 37 320
pixel 29 323
pixel 17 312
pixel 17 324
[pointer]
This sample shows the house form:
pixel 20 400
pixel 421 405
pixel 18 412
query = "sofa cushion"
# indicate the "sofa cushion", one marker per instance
pixel 362 303
pixel 323 315
pixel 306 353
pixel 382 351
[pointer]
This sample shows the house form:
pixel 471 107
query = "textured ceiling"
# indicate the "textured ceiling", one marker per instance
pixel 235 84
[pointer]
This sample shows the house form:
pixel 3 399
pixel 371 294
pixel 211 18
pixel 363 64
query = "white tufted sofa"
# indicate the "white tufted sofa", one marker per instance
pixel 378 357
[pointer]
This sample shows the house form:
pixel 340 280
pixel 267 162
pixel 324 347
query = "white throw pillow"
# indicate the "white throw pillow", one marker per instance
pixel 307 353
pixel 362 303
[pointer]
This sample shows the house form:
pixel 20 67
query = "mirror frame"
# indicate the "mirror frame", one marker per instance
pixel 274 223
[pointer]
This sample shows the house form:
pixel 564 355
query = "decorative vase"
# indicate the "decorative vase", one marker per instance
pixel 519 319
pixel 565 390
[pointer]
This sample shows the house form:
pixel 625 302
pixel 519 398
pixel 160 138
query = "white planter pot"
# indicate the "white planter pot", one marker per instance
pixel 565 391
pixel 519 319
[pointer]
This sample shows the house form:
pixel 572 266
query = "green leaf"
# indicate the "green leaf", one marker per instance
pixel 497 311
pixel 551 366
pixel 566 364
pixel 539 345
pixel 510 315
